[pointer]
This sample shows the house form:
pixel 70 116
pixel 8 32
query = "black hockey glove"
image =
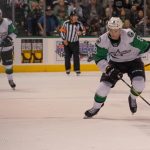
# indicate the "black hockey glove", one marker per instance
pixel 113 73
pixel 7 41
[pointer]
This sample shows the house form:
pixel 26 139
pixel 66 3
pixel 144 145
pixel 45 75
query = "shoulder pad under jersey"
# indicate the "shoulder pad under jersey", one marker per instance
pixel 129 32
pixel 98 41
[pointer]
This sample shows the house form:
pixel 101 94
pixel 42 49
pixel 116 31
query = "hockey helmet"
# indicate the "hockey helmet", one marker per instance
pixel 73 13
pixel 115 23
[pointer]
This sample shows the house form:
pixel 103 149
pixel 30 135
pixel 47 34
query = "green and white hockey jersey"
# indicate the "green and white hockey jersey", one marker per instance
pixel 129 48
pixel 7 28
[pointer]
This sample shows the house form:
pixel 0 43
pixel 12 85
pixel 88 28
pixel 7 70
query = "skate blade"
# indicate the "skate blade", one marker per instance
pixel 13 88
pixel 133 113
pixel 86 117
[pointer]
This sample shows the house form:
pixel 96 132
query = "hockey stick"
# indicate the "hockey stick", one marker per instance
pixel 136 92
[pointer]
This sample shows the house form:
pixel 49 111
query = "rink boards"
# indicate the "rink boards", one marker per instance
pixel 47 55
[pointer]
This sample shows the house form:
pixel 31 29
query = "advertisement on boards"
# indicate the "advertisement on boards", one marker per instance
pixel 32 50
pixel 87 50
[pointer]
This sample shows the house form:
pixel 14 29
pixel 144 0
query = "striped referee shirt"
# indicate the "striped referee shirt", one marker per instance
pixel 69 31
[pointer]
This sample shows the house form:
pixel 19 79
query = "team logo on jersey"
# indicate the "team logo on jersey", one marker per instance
pixel 139 38
pixel 130 34
pixel 119 53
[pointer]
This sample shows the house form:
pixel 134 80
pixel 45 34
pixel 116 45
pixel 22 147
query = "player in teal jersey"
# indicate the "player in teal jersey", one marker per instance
pixel 7 34
pixel 118 51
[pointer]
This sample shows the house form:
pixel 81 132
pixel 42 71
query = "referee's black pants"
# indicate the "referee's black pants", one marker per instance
pixel 72 49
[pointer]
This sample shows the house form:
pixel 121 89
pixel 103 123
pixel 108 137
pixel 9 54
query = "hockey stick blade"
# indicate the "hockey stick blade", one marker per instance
pixel 136 92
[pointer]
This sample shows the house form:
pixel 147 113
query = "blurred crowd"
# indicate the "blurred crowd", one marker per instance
pixel 30 15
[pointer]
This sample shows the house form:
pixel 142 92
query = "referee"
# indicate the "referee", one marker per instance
pixel 70 32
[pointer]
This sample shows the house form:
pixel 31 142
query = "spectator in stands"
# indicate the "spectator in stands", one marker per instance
pixel 75 6
pixel 25 11
pixel 147 27
pixel 61 17
pixel 93 10
pixel 42 3
pixel 104 20
pixel 124 15
pixel 138 3
pixel 32 21
pixel 117 7
pixel 108 12
pixel 60 5
pixel 85 3
pixel 138 22
pixel 27 14
pixel 49 3
pixel 143 29
pixel 134 15
pixel 148 8
pixel 105 3
pixel 52 22
pixel 127 4
pixel 127 25
pixel 140 15
pixel 94 27
pixel 19 17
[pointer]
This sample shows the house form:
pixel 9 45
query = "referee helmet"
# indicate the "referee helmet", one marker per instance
pixel 73 13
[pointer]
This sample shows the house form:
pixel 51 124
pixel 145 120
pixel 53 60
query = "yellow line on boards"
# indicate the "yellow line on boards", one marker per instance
pixel 53 68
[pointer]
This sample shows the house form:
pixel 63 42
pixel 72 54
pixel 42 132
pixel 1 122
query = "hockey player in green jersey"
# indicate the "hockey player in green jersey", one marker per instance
pixel 7 34
pixel 118 51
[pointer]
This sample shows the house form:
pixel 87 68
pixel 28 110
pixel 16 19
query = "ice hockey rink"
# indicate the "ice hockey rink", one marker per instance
pixel 46 112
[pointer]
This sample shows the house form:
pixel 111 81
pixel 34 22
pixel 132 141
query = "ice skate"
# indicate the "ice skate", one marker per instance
pixel 78 73
pixel 12 84
pixel 132 104
pixel 67 72
pixel 92 112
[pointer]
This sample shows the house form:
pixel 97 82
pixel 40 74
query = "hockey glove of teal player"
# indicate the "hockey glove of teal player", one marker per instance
pixel 113 73
pixel 7 41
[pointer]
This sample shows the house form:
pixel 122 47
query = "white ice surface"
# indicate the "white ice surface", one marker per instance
pixel 46 112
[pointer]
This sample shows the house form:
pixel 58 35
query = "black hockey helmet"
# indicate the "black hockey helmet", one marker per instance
pixel 73 13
